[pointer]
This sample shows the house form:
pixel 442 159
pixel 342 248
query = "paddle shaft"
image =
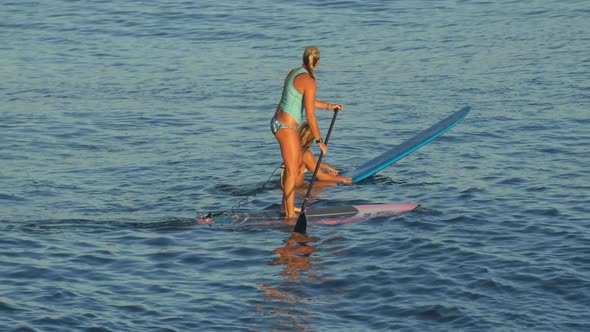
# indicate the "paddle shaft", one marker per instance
pixel 301 225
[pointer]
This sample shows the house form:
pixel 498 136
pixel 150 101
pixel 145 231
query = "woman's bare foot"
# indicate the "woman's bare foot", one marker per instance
pixel 295 214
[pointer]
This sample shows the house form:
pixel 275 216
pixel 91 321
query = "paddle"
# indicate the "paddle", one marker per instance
pixel 301 225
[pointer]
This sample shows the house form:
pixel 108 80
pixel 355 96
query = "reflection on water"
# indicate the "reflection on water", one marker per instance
pixel 286 303
pixel 295 255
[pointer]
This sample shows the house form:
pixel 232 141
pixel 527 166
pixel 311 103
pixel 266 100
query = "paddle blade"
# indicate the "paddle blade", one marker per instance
pixel 301 225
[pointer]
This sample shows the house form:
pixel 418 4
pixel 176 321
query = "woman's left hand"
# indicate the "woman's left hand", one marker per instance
pixel 335 107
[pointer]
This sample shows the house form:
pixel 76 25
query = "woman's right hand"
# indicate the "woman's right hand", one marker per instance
pixel 332 171
pixel 335 107
pixel 324 148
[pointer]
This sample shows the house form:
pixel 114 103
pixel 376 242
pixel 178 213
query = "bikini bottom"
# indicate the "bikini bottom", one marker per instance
pixel 275 125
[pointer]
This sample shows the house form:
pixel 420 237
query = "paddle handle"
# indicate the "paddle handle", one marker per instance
pixel 336 111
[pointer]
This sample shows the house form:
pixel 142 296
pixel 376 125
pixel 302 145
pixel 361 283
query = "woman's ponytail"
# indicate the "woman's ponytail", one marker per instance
pixel 311 56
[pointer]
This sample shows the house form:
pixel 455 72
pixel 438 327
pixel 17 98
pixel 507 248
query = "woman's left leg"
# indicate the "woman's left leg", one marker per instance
pixel 291 152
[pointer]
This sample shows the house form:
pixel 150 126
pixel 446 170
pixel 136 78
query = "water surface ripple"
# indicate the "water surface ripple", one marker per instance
pixel 122 121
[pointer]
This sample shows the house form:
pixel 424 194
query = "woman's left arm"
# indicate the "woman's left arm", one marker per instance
pixel 326 106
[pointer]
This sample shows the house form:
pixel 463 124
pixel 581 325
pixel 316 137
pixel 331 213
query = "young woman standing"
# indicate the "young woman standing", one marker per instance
pixel 299 92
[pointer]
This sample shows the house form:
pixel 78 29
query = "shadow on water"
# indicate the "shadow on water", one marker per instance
pixel 248 189
pixel 89 225
pixel 382 180
pixel 251 189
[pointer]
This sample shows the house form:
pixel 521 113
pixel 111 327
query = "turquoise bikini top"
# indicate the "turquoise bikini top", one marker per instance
pixel 292 100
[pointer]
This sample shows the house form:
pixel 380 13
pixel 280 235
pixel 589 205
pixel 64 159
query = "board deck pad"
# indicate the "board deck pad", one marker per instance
pixel 400 151
pixel 331 215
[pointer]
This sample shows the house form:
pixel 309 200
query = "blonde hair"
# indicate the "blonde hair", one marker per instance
pixel 305 137
pixel 311 56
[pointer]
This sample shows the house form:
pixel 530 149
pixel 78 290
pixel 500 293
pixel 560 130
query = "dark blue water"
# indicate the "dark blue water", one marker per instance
pixel 123 121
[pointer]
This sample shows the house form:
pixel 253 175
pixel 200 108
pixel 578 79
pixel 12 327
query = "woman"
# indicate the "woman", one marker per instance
pixel 326 172
pixel 299 91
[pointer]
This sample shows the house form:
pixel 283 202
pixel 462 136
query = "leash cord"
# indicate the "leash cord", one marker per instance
pixel 253 193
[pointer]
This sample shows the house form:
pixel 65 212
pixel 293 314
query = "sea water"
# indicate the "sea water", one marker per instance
pixel 123 121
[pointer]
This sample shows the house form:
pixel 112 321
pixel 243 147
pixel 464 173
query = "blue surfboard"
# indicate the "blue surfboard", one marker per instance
pixel 400 151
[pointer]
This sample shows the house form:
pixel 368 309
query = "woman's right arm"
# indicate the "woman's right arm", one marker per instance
pixel 309 88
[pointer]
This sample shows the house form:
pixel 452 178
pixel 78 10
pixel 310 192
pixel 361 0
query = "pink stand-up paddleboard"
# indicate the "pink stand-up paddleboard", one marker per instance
pixel 332 215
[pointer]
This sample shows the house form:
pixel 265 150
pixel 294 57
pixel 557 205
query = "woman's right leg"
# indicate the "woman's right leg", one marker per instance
pixel 291 152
